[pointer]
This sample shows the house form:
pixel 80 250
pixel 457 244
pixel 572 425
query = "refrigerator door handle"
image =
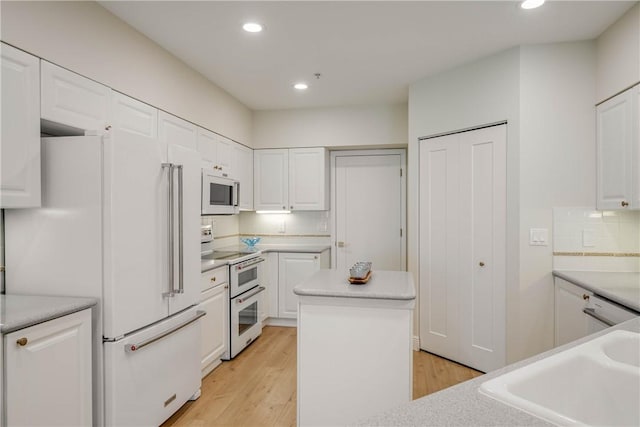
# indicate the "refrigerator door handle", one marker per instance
pixel 130 348
pixel 170 230
pixel 180 289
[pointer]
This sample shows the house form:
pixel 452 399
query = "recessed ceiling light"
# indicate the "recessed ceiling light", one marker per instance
pixel 531 4
pixel 252 27
pixel 300 86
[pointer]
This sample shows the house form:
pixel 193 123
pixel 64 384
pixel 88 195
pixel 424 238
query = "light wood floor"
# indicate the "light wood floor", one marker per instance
pixel 258 388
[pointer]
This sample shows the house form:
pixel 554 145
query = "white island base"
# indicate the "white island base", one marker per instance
pixel 354 346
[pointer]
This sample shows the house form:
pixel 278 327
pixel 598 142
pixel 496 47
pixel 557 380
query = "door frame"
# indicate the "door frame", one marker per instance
pixel 402 152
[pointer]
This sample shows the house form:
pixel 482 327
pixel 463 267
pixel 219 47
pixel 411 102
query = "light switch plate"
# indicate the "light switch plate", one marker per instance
pixel 538 237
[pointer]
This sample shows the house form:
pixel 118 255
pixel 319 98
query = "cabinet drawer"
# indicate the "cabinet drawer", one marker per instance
pixel 214 277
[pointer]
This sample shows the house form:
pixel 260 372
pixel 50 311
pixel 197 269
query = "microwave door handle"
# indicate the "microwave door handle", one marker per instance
pixel 169 167
pixel 180 231
pixel 236 193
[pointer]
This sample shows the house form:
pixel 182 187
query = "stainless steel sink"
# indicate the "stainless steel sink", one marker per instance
pixel 596 383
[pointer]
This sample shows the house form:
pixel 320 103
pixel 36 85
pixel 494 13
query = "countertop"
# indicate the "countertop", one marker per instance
pixel 386 285
pixel 623 288
pixel 207 265
pixel 21 311
pixel 463 405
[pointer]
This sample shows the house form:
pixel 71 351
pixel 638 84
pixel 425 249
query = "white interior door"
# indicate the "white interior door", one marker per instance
pixel 482 247
pixel 369 207
pixel 462 247
pixel 439 218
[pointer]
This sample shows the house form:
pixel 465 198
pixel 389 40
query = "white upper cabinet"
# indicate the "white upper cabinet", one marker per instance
pixel 244 173
pixel 20 129
pixel 73 100
pixel 218 154
pixel 271 179
pixel 308 179
pixel 133 116
pixel 618 148
pixel 173 130
pixel 291 179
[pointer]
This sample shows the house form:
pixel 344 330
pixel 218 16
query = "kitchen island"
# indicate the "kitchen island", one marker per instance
pixel 354 346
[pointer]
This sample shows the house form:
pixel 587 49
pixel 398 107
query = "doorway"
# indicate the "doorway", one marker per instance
pixel 369 208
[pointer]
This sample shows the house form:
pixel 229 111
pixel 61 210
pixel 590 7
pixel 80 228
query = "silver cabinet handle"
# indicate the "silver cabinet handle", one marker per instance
pixel 592 312
pixel 244 298
pixel 169 166
pixel 180 231
pixel 130 348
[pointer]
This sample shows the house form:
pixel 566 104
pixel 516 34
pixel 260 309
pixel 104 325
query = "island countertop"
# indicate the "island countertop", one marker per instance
pixel 385 285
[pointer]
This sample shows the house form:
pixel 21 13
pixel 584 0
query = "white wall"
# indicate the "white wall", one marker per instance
pixel 547 95
pixel 86 38
pixel 372 125
pixel 557 168
pixel 482 92
pixel 618 55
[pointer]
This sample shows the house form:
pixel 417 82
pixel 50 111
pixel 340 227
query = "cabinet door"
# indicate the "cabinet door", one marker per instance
pixel 271 179
pixel 175 131
pixel 570 321
pixel 293 268
pixel 215 326
pixel 225 157
pixel 73 100
pixel 133 116
pixel 244 174
pixel 308 179
pixel 615 133
pixel 48 373
pixel 20 123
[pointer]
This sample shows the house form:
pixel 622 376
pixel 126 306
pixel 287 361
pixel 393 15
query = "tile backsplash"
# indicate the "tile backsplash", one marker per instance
pixel 309 227
pixel 587 239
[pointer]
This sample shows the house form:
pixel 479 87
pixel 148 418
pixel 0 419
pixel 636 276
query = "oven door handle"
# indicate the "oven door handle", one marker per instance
pixel 592 312
pixel 257 261
pixel 246 297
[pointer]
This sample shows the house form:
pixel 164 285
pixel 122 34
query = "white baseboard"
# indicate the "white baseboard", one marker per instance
pixel 278 321
pixel 416 343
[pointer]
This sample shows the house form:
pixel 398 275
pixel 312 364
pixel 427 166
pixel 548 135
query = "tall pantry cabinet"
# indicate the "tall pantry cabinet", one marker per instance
pixel 462 247
pixel 20 129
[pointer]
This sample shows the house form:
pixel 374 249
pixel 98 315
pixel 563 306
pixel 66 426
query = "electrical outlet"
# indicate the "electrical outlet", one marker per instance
pixel 282 228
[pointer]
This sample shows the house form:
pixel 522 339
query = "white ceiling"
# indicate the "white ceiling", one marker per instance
pixel 367 52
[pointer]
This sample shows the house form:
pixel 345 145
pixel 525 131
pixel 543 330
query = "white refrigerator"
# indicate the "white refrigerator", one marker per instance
pixel 119 221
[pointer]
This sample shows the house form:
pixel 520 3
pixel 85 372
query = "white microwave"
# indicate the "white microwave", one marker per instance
pixel 220 196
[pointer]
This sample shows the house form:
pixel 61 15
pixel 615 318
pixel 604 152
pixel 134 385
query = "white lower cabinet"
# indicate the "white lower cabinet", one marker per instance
pixel 285 270
pixel 215 325
pixel 571 322
pixel 47 372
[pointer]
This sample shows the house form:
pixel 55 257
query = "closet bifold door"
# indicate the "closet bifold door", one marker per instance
pixel 462 246
pixel 482 247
